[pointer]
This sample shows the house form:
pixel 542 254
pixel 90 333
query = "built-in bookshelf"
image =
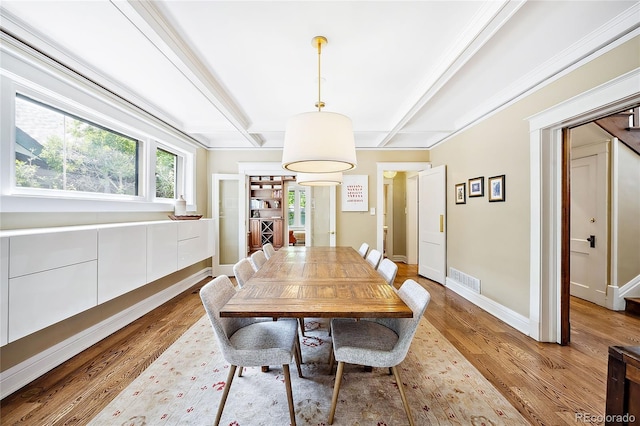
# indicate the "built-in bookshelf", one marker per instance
pixel 266 211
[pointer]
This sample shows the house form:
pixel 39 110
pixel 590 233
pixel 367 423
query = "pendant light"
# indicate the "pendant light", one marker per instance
pixel 319 142
pixel 319 179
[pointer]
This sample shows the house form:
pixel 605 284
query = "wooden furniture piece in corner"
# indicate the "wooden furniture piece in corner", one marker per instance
pixel 266 211
pixel 623 386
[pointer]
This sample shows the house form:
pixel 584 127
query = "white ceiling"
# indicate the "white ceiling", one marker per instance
pixel 408 74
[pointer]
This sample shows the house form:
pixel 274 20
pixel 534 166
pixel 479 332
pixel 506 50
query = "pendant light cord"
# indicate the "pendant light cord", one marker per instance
pixel 319 54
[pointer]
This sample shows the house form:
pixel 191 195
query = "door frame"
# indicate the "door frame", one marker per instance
pixel 548 317
pixel 398 167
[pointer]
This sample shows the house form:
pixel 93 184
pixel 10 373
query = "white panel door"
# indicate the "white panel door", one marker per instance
pixel 588 241
pixel 432 242
pixel 229 215
pixel 323 216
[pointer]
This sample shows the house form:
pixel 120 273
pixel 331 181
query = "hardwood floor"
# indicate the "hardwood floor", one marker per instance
pixel 548 383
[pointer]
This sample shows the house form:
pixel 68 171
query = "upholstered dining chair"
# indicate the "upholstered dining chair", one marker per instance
pixel 268 250
pixel 243 270
pixel 258 259
pixel 383 342
pixel 250 342
pixel 363 250
pixel 388 269
pixel 373 258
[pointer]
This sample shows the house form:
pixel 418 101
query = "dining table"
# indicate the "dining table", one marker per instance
pixel 316 282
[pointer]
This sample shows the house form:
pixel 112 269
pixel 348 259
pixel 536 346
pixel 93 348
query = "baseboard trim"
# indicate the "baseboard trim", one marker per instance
pixel 512 318
pixel 20 375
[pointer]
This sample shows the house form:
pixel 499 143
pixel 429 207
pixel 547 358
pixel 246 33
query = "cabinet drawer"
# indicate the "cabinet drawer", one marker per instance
pixel 191 229
pixel 192 251
pixel 42 252
pixel 39 300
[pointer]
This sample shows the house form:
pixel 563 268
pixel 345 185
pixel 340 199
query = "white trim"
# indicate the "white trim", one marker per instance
pixel 546 195
pixel 510 317
pixel 381 167
pixel 19 375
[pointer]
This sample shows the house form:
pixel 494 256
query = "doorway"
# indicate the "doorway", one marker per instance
pixel 548 310
pixel 409 171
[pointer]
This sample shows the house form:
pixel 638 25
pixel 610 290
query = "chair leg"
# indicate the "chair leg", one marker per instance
pixel 225 393
pixel 336 390
pixel 402 395
pixel 240 371
pixel 332 360
pixel 287 382
pixel 301 321
pixel 297 354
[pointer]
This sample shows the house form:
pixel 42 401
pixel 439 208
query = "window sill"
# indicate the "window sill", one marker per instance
pixel 25 204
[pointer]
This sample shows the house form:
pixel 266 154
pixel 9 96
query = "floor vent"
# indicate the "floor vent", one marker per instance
pixel 466 280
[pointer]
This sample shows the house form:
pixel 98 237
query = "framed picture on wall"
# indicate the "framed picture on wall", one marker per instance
pixel 476 187
pixel 496 188
pixel 461 193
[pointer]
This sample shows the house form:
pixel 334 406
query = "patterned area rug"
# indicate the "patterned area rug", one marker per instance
pixel 184 386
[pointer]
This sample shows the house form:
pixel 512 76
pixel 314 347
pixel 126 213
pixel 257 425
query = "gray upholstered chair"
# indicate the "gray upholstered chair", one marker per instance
pixel 258 259
pixel 373 258
pixel 250 341
pixel 388 270
pixel 243 270
pixel 268 250
pixel 383 342
pixel 363 250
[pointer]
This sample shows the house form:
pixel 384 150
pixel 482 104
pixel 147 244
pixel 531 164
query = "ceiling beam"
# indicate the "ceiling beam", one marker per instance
pixel 145 16
pixel 488 21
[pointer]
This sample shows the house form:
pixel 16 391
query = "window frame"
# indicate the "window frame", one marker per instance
pixel 297 209
pixel 41 79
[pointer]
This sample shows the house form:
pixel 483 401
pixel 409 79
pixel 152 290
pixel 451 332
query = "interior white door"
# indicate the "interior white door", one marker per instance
pixel 432 242
pixel 229 214
pixel 588 270
pixel 323 216
pixel 412 220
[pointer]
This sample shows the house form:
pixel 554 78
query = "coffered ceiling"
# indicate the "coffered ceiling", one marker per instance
pixel 230 73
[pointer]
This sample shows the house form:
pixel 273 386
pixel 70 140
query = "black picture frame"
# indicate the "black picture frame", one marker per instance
pixel 496 186
pixel 476 187
pixel 461 193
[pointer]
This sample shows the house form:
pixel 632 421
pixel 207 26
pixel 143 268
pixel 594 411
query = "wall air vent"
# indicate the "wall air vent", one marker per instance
pixel 465 280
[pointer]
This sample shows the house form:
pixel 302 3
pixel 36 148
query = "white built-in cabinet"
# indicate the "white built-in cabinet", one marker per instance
pixel 48 275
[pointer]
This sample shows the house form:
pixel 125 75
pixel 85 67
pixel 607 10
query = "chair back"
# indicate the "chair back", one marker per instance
pixel 257 260
pixel 363 250
pixel 417 298
pixel 243 271
pixel 214 295
pixel 388 270
pixel 268 250
pixel 373 258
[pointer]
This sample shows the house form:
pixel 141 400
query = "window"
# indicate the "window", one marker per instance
pixel 60 151
pixel 166 167
pixel 67 144
pixel 297 202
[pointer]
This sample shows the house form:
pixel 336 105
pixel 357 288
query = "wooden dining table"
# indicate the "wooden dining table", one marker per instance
pixel 316 282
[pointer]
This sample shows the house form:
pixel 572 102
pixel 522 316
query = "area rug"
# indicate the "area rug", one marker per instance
pixel 184 386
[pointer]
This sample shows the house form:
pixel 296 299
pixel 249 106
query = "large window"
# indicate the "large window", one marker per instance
pixel 56 150
pixel 67 144
pixel 297 202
